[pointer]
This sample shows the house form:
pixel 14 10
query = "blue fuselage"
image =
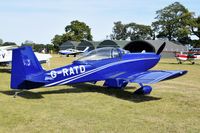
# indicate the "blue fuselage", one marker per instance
pixel 96 70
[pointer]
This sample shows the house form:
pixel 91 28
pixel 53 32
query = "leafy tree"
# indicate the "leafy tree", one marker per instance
pixel 132 31
pixel 9 43
pixel 76 31
pixel 39 47
pixel 139 31
pixel 195 30
pixel 57 40
pixel 195 26
pixel 172 22
pixel 1 41
pixel 50 48
pixel 119 31
pixel 195 43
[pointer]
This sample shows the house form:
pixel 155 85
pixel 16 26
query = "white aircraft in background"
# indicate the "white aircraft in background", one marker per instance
pixel 74 52
pixel 6 55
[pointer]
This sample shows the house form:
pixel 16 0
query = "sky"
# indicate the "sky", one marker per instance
pixel 40 20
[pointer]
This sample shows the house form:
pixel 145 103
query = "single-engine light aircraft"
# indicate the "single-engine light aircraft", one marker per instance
pixel 187 56
pixel 115 66
pixel 74 52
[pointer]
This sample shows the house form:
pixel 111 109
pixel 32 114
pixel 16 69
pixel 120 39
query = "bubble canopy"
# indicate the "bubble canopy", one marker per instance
pixel 102 53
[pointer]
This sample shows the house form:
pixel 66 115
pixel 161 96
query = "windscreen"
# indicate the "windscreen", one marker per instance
pixel 100 54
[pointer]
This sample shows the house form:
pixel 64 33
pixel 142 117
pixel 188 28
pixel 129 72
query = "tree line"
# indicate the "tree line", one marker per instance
pixel 48 48
pixel 174 22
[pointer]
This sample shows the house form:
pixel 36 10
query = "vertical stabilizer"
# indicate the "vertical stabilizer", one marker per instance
pixel 25 69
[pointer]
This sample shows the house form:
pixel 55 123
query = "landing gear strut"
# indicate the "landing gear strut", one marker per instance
pixel 17 92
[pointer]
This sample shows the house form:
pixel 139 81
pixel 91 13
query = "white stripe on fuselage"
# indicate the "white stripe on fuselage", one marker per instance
pixel 70 79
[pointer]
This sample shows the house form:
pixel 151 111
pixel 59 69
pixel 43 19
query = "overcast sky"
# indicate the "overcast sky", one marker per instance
pixel 40 20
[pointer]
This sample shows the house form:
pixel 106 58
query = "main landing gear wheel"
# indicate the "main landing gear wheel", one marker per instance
pixel 143 90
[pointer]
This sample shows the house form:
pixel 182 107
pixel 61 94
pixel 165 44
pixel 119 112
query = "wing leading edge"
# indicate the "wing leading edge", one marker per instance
pixel 154 76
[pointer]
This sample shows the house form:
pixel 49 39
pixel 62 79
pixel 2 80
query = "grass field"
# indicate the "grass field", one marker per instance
pixel 173 106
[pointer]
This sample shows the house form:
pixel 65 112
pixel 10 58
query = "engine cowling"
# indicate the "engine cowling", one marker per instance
pixel 144 90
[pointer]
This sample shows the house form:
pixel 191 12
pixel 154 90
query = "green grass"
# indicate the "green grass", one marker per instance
pixel 173 106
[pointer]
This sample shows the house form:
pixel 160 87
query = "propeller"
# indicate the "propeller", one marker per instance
pixel 161 48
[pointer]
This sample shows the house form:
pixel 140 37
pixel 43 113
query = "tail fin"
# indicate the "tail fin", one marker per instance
pixel 26 69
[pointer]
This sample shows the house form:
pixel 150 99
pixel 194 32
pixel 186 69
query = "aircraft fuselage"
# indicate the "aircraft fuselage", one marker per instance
pixel 88 71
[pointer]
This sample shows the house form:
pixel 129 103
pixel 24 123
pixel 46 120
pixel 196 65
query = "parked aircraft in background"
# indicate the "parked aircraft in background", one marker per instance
pixel 74 52
pixel 187 56
pixel 115 66
pixel 6 55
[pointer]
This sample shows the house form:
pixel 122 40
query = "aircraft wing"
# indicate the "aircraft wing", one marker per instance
pixel 154 76
pixel 5 61
pixel 149 77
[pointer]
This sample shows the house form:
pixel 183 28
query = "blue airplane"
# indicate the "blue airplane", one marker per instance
pixel 116 66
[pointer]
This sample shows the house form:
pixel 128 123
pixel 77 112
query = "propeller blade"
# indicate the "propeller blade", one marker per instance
pixel 161 48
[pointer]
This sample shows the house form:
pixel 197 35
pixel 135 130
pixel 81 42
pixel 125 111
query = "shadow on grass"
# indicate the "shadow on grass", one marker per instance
pixel 83 88
pixel 5 70
pixel 184 63
pixel 24 94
